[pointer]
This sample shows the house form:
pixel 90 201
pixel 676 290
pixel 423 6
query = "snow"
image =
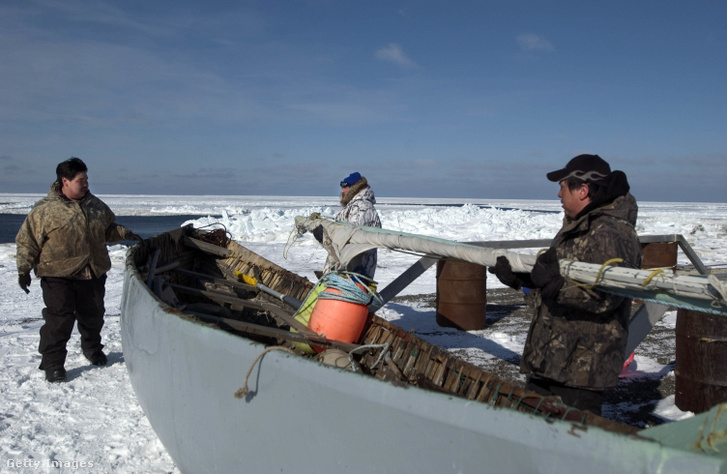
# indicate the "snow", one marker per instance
pixel 93 423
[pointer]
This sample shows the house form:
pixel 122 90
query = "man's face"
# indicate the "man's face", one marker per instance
pixel 76 188
pixel 573 200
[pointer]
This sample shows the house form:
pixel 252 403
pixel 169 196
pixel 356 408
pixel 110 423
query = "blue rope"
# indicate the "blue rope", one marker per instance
pixel 350 291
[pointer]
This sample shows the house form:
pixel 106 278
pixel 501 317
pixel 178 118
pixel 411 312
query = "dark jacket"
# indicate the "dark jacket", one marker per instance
pixel 579 338
pixel 65 238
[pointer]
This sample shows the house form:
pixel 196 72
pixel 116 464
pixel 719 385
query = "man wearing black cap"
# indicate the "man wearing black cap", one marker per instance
pixel 577 339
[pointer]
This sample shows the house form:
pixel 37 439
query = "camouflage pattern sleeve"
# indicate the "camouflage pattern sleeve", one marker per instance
pixel 603 243
pixel 28 247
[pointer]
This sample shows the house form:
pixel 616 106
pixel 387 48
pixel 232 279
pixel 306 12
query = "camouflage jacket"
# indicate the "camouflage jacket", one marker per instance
pixel 358 209
pixel 579 339
pixel 65 238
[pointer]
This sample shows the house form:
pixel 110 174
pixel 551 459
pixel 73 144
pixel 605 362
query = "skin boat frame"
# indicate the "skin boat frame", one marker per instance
pixel 298 413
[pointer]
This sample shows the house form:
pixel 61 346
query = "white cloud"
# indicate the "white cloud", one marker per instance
pixel 394 54
pixel 530 42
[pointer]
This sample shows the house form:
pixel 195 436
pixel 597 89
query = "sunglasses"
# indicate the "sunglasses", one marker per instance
pixel 345 184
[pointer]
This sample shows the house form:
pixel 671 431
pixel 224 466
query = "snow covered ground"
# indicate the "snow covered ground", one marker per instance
pixel 92 423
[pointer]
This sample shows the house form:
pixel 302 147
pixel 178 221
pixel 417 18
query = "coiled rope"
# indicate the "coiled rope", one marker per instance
pixel 219 237
pixel 352 287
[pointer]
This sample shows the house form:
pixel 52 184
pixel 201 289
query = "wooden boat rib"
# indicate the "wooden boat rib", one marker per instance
pixel 191 330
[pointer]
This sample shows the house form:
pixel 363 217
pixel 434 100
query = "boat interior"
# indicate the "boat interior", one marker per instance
pixel 197 274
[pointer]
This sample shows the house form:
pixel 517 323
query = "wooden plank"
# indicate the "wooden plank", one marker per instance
pixel 219 281
pixel 277 333
pixel 276 311
pixel 422 361
pixel 152 267
pixel 438 377
pixel 412 354
pixel 472 393
pixel 484 393
pixel 207 248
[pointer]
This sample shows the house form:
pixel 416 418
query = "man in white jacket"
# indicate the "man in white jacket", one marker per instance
pixel 357 199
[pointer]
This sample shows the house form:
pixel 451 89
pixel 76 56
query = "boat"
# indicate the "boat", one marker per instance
pixel 216 365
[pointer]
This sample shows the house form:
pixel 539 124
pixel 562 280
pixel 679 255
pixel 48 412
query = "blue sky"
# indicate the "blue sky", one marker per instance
pixel 470 99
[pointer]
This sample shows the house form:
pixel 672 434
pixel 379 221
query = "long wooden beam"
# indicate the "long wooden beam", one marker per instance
pixel 277 312
pixel 313 339
pixel 205 247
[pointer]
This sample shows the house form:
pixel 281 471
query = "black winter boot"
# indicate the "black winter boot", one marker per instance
pixel 97 358
pixel 55 375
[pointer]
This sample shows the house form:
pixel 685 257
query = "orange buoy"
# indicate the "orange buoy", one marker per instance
pixel 338 320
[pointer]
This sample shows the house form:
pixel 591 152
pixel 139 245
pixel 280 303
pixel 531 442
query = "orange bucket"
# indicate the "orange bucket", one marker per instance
pixel 338 320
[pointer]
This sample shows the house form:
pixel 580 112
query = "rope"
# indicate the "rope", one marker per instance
pixel 295 233
pixel 653 274
pixel 350 291
pixel 598 276
pixel 218 237
pixel 241 392
pixel 289 243
pixel 384 347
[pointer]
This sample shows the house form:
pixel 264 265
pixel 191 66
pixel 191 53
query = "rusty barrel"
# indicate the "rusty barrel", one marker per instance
pixel 659 255
pixel 461 295
pixel 701 353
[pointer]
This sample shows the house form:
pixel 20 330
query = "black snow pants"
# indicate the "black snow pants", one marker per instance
pixel 67 301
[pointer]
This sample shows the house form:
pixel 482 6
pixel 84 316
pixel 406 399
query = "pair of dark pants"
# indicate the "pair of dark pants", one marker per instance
pixel 580 398
pixel 68 301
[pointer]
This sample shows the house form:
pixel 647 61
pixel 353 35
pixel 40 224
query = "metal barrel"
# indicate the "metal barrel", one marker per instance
pixel 461 295
pixel 701 361
pixel 659 255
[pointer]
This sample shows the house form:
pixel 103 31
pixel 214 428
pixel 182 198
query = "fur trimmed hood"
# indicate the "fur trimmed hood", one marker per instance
pixel 355 188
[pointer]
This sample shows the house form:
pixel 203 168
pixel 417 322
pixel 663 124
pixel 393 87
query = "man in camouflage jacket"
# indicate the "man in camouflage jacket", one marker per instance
pixel 357 199
pixel 577 339
pixel 63 239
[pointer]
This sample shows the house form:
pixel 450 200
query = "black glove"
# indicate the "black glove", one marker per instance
pixel 546 274
pixel 132 236
pixel 318 233
pixel 24 281
pixel 503 272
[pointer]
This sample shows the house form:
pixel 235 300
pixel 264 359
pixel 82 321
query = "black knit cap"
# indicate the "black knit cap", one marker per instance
pixel 589 168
